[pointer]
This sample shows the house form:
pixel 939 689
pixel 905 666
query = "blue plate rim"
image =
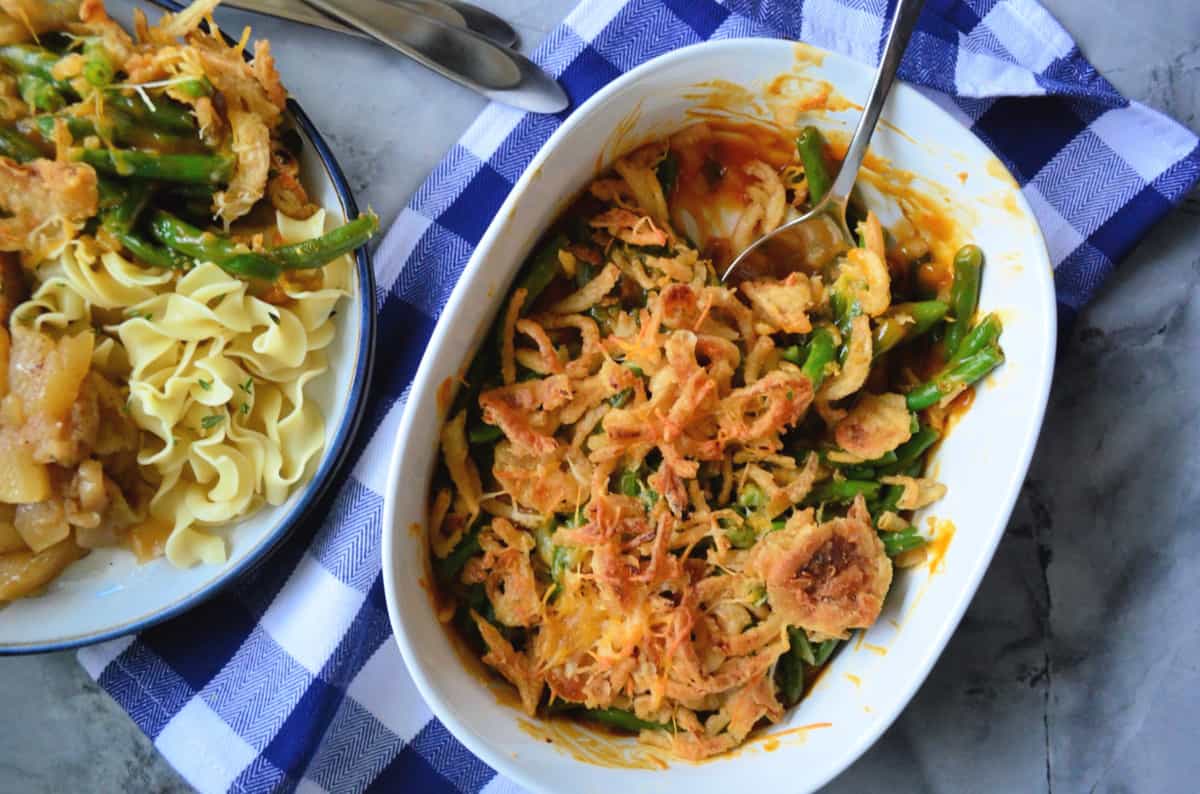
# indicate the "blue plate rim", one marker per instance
pixel 338 448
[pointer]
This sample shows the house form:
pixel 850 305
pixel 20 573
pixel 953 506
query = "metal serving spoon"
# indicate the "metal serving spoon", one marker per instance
pixel 831 210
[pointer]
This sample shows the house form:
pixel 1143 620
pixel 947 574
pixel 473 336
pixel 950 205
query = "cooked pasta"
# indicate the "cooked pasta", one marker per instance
pixel 153 373
pixel 663 501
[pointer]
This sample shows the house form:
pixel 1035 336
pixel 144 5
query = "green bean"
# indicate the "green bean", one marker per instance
pixel 583 273
pixel 622 720
pixel 603 316
pixel 16 146
pixel 740 535
pixel 251 265
pixel 322 250
pixel 132 198
pixel 191 191
pixel 841 491
pixel 668 173
pixel 196 87
pixel 98 67
pixel 40 94
pixel 78 127
pixel 986 332
pixel 800 645
pixel 886 459
pixel 629 484
pixel 953 379
pixel 191 168
pixel 824 651
pixel 906 539
pixel 910 451
pixel 150 254
pixel 857 471
pixel 811 146
pixel 794 354
pixel 964 295
pixel 820 354
pixel 564 559
pixel 561 559
pixel 649 498
pixel 166 114
pixel 544 543
pixel 890 496
pixel 448 568
pixel 205 246
pixel 485 434
pixel 789 669
pixel 31 59
pixel 751 497
pixel 116 126
pixel 890 331
pixel 619 399
pixel 865 470
pixel 98 72
pixel 541 270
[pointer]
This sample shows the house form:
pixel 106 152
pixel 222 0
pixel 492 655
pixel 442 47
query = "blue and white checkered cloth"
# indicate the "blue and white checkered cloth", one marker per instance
pixel 290 678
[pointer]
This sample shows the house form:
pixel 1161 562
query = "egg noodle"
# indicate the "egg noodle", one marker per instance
pixel 216 377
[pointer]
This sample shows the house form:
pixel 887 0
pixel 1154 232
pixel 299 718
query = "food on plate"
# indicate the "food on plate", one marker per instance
pixel 167 288
pixel 661 501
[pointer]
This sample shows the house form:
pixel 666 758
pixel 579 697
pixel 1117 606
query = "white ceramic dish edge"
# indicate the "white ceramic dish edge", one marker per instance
pixel 1030 342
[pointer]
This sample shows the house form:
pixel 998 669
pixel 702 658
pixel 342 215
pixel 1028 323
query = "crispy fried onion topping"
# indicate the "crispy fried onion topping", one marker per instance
pixel 826 578
pixel 641 526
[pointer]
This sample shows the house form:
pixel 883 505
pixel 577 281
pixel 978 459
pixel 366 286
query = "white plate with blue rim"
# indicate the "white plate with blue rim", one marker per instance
pixel 108 593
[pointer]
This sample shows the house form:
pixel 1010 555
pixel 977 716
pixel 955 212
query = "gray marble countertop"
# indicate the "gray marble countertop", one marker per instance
pixel 1077 667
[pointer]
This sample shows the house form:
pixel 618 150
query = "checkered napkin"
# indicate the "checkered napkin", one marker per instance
pixel 290 678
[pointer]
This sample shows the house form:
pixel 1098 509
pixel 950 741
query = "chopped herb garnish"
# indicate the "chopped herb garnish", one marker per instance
pixel 248 386
pixel 274 317
pixel 211 421
pixel 204 384
pixel 245 409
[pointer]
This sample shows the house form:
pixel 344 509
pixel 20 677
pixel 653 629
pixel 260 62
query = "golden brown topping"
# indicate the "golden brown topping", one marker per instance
pixel 877 424
pixel 510 664
pixel 782 305
pixel 43 205
pixel 826 578
pixel 629 227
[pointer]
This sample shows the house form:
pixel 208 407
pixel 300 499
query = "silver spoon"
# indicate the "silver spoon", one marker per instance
pixel 831 209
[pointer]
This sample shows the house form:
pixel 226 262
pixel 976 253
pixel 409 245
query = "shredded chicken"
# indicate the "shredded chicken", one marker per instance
pixel 252 147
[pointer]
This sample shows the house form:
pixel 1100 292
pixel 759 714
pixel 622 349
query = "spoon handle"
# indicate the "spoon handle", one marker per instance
pixel 907 12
